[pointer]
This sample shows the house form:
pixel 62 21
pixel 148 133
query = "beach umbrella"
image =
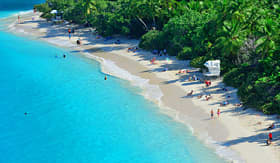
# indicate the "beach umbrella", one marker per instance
pixel 54 12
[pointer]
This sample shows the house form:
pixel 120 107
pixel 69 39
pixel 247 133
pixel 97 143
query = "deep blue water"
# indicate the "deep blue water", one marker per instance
pixel 74 116
pixel 18 4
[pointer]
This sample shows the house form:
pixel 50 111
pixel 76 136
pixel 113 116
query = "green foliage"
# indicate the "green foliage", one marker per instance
pixel 198 62
pixel 152 40
pixel 45 9
pixel 243 34
pixel 234 77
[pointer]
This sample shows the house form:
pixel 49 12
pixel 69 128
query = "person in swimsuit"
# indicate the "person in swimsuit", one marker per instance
pixel 218 113
pixel 212 114
pixel 105 77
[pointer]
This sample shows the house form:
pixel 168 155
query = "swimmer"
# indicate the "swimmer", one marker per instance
pixel 105 78
pixel 64 56
pixel 25 113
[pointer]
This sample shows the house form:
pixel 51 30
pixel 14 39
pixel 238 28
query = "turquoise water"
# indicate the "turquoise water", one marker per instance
pixel 74 116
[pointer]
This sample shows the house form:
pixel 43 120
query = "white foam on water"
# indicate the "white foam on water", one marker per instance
pixel 221 150
pixel 151 92
pixel 60 42
pixel 23 12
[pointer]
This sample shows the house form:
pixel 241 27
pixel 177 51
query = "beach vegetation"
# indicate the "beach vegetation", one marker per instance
pixel 243 34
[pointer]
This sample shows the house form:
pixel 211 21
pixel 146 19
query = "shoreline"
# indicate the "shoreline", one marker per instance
pixel 227 130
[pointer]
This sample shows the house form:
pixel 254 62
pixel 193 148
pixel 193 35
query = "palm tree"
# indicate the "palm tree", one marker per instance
pixel 88 6
pixel 231 39
pixel 266 43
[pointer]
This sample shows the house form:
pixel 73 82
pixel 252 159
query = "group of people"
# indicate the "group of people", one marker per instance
pixel 207 83
pixel 70 31
pixel 193 78
pixel 63 56
pixel 269 140
pixel 160 53
pixel 212 113
pixel 134 49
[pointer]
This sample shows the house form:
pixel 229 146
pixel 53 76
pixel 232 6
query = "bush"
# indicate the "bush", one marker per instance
pixel 44 8
pixel 198 62
pixel 186 53
pixel 235 77
pixel 152 40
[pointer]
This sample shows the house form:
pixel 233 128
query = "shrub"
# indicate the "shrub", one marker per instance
pixel 235 77
pixel 198 62
pixel 44 8
pixel 152 40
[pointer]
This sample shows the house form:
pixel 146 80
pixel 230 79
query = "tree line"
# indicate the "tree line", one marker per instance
pixel 243 34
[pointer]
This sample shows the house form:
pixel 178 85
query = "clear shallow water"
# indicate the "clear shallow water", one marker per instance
pixel 76 116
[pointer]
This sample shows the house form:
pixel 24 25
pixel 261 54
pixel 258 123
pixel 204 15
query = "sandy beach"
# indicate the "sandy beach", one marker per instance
pixel 238 134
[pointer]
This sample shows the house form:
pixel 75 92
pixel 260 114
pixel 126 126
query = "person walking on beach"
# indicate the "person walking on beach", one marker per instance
pixel 218 113
pixel 18 19
pixel 212 114
pixel 69 32
pixel 269 140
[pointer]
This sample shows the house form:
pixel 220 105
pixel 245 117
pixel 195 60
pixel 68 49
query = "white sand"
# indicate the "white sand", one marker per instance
pixel 238 134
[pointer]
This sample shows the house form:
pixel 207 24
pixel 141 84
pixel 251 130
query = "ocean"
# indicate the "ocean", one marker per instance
pixel 56 109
